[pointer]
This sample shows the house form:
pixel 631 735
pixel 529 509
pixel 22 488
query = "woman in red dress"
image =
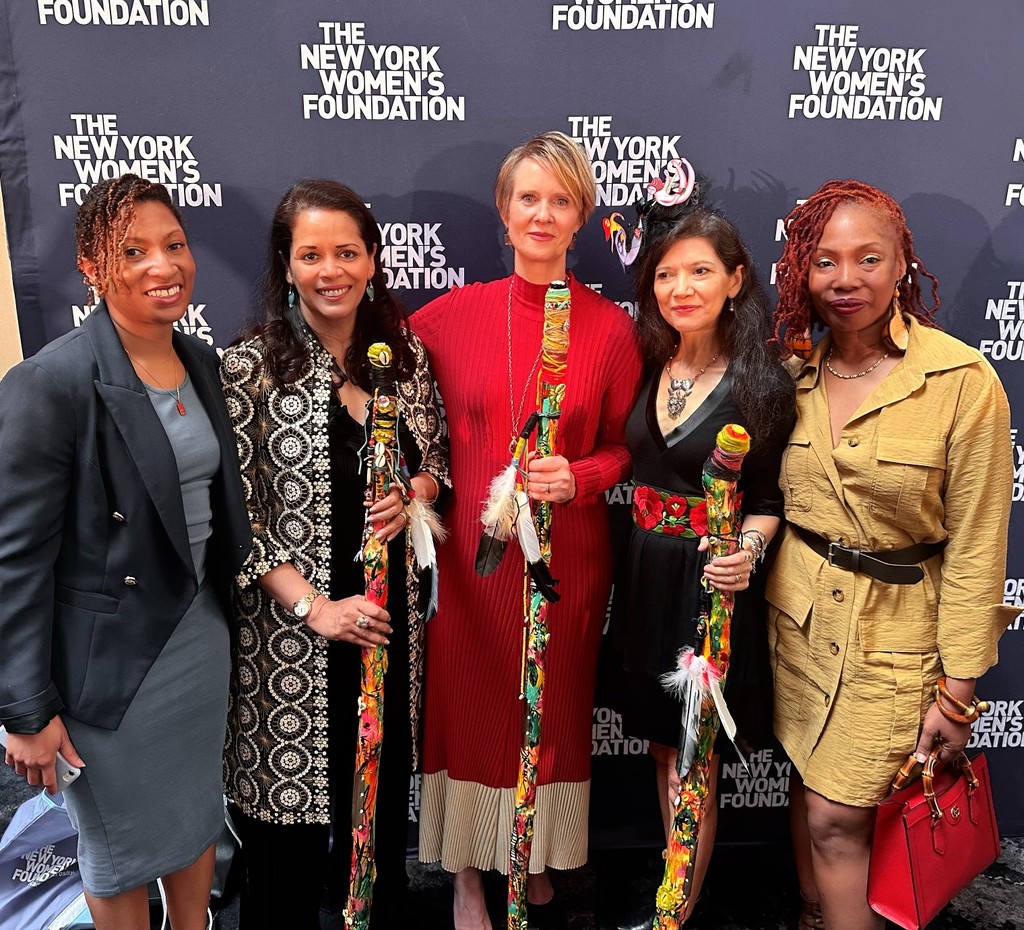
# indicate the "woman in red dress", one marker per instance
pixel 484 343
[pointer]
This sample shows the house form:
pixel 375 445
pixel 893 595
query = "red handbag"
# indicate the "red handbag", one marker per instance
pixel 932 838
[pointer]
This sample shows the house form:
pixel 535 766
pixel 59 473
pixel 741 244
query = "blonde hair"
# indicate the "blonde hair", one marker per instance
pixel 564 158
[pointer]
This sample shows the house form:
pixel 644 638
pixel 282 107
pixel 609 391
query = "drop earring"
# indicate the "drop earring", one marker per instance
pixel 732 305
pixel 572 244
pixel 896 336
pixel 370 293
pixel 508 241
pixel 291 295
pixel 90 290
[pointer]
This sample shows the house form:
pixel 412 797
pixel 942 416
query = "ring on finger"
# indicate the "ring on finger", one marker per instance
pixel 363 622
pixel 548 488
pixel 735 579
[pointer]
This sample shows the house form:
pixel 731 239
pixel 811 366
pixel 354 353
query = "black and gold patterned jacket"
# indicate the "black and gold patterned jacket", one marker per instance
pixel 276 754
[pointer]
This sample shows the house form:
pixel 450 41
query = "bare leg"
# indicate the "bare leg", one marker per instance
pixel 840 850
pixel 470 906
pixel 126 911
pixel 538 888
pixel 810 912
pixel 188 893
pixel 668 791
pixel 706 842
pixel 664 762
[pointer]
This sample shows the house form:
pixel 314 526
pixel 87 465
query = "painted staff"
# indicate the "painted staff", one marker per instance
pixel 382 460
pixel 538 593
pixel 699 681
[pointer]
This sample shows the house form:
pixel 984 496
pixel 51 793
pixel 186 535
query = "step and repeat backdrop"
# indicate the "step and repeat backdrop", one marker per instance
pixel 414 104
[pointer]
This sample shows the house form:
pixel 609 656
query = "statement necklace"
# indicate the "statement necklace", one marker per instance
pixel 176 390
pixel 681 388
pixel 530 378
pixel 860 374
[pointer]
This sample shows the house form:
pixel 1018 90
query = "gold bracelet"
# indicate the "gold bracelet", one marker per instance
pixel 437 485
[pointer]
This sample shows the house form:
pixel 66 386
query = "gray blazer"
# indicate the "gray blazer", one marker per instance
pixel 95 565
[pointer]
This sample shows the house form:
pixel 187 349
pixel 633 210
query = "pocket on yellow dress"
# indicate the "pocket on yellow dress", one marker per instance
pixel 793 474
pixel 908 470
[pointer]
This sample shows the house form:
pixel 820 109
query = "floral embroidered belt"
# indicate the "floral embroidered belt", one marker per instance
pixel 669 514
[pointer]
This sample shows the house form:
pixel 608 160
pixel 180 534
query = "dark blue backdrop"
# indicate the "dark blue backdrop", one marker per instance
pixel 414 104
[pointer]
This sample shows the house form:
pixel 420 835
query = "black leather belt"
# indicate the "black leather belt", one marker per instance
pixel 893 566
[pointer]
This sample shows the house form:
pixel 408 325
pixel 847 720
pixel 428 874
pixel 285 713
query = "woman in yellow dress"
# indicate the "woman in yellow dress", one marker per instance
pixel 897 481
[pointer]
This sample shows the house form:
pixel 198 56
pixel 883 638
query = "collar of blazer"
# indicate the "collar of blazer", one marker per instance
pixel 125 398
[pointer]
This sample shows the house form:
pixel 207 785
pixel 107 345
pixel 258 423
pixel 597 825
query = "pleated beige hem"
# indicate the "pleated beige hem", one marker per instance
pixel 465 824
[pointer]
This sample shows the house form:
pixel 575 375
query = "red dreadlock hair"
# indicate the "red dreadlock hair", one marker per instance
pixel 804 227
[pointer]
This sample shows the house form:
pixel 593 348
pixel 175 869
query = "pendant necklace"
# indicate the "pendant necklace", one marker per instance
pixel 679 389
pixel 517 416
pixel 176 390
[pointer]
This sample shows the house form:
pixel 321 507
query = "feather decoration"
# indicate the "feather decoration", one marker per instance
pixel 489 553
pixel 498 517
pixel 692 680
pixel 424 528
pixel 499 513
pixel 529 542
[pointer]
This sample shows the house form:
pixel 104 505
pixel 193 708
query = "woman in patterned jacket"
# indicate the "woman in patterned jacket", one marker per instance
pixel 297 387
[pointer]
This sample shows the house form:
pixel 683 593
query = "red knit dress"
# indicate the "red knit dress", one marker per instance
pixel 472 715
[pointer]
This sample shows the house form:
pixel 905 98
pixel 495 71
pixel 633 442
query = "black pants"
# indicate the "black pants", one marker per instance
pixel 288 868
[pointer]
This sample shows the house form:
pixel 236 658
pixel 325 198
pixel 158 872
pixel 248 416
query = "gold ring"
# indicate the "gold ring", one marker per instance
pixel 549 488
pixel 736 579
pixel 363 622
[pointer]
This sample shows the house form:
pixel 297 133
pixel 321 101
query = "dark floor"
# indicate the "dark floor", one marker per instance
pixel 748 888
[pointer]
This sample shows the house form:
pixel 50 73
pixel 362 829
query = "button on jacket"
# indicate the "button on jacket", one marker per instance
pixel 95 564
pixel 926 458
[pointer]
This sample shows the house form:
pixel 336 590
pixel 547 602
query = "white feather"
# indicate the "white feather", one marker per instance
pixel 424 526
pixel 690 670
pixel 691 681
pixel 499 513
pixel 526 530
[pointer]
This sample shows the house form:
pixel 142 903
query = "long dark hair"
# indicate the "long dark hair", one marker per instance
pixel 283 330
pixel 762 389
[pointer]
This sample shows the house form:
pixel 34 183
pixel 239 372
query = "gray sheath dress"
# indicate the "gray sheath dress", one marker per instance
pixel 150 798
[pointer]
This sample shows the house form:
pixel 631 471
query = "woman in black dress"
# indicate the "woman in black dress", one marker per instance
pixel 704 329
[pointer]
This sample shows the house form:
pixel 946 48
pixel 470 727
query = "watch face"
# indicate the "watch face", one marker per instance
pixel 302 608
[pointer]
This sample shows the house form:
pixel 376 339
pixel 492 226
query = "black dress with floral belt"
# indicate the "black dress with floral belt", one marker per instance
pixel 657 590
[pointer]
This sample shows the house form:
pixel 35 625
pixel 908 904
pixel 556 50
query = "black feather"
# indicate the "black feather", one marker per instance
pixel 489 553
pixel 541 575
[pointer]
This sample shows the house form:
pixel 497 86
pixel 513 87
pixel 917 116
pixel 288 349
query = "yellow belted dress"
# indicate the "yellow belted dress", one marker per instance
pixel 926 458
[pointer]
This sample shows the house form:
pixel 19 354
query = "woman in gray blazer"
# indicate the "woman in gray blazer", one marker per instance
pixel 122 524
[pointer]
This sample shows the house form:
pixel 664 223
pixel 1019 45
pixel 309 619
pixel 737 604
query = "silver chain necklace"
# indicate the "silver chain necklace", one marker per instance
pixel 679 389
pixel 517 416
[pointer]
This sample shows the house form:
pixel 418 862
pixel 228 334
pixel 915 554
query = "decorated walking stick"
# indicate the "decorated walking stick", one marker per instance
pixel 538 594
pixel 699 680
pixel 382 459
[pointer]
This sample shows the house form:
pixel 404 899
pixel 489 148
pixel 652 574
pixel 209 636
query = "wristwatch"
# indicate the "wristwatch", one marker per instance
pixel 302 607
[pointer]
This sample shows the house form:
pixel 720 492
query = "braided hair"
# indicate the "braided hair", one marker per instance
pixel 804 227
pixel 103 221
